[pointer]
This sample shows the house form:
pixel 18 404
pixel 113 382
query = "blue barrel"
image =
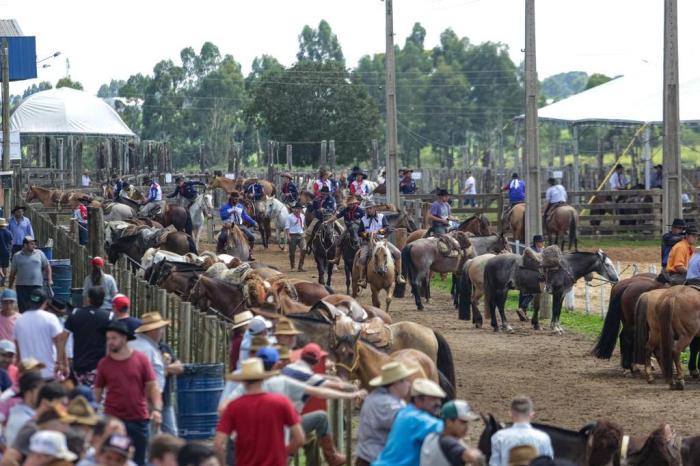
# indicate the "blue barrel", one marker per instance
pixel 199 388
pixel 76 297
pixel 48 252
pixel 62 273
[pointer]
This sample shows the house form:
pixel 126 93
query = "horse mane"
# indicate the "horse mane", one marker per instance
pixel 237 233
pixel 606 443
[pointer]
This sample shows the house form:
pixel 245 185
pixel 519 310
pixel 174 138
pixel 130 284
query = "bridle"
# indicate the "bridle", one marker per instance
pixel 355 358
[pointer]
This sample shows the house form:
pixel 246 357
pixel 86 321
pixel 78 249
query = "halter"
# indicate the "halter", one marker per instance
pixel 355 359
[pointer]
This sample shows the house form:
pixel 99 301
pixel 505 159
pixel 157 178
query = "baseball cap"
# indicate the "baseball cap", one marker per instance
pixel 268 354
pixel 8 295
pixel 39 296
pixel 259 325
pixel 458 409
pixel 6 346
pixel 51 443
pixel 119 444
pixel 313 350
pixel 97 261
pixel 120 301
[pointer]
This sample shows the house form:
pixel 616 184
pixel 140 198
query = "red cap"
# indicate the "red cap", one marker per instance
pixel 313 350
pixel 97 261
pixel 120 301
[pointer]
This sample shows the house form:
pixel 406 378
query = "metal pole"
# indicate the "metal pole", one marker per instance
pixel 6 122
pixel 647 157
pixel 392 169
pixel 324 158
pixel 671 155
pixel 531 160
pixel 331 153
pixel 60 162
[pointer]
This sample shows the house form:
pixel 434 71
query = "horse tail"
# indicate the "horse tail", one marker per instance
pixel 449 389
pixel 464 298
pixel 408 268
pixel 445 363
pixel 573 241
pixel 641 330
pixel 665 317
pixel 605 345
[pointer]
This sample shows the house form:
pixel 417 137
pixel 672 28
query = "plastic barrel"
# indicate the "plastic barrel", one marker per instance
pixel 199 388
pixel 76 297
pixel 48 252
pixel 62 273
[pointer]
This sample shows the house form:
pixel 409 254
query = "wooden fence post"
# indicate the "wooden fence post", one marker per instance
pixel 323 162
pixel 290 163
pixel 331 153
pixel 96 232
pixel 184 340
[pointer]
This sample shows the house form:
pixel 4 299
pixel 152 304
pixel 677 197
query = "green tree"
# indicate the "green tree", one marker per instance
pixel 596 79
pixel 34 88
pixel 111 89
pixel 68 82
pixel 319 45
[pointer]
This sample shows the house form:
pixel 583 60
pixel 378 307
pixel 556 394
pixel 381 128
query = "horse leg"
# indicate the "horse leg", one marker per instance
pixel 426 288
pixel 389 294
pixel 679 345
pixel 505 326
pixel 329 273
pixel 320 268
pixel 693 360
pixel 348 279
pixel 477 319
pixel 375 295
pixel 493 303
pixel 536 313
pixel 557 300
pixel 416 281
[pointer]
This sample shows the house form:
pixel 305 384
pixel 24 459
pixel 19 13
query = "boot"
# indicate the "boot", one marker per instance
pixel 330 454
pixel 301 262
pixel 399 277
pixel 362 278
pixel 291 263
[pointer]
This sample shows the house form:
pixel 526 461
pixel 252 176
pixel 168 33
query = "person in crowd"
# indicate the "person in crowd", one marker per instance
pixel 303 370
pixel 8 349
pixel 254 191
pixel 148 337
pixel 37 399
pixel 524 299
pixel 469 188
pixel 353 174
pixel 322 181
pixel 371 224
pixel 101 431
pixel 618 180
pixel 11 397
pixel 20 227
pixel 154 201
pixel 286 333
pixel 129 381
pixel 8 313
pixel 380 408
pixel 322 205
pixel 239 327
pixel 360 186
pixel 115 451
pixel 39 334
pixel 197 454
pixel 440 212
pixel 258 326
pixel 234 212
pixel 98 278
pixel 352 212
pixel 516 193
pixel 85 181
pixel 5 249
pixel 258 419
pixel 407 184
pixel 117 186
pixel 657 177
pixel 289 191
pixel 670 238
pixel 520 433
pixel 28 271
pixel 164 449
pixel 412 425
pixel 446 448
pixel 120 307
pixel 186 190
pixel 554 197
pixel 80 215
pixel 47 447
pixel 680 256
pixel 83 416
pixel 294 229
pixel 173 368
pixel 85 324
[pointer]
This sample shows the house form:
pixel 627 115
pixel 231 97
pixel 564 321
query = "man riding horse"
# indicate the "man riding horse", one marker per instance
pixel 680 255
pixel 516 194
pixel 440 213
pixel 360 187
pixel 254 191
pixel 322 181
pixel 323 204
pixel 290 193
pixel 154 201
pixel 374 223
pixel 186 190
pixel 554 197
pixel 234 212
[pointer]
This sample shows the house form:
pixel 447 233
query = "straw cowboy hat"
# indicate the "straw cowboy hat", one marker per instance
pixel 241 319
pixel 3 222
pixel 392 372
pixel 80 409
pixel 351 199
pixel 251 369
pixel 521 455
pixel 286 327
pixel 427 387
pixel 151 321
pixel 286 175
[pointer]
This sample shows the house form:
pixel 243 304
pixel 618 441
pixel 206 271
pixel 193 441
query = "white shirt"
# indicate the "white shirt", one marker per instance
pixel 618 181
pixel 555 193
pixel 34 332
pixel 373 224
pixel 470 185
pixel 86 181
pixel 148 347
pixel 294 224
pixel 360 187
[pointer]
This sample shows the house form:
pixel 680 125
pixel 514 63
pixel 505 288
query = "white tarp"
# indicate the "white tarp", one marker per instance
pixel 67 111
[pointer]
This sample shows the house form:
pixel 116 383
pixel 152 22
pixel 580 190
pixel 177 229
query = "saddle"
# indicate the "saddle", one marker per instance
pixel 237 276
pixel 552 209
pixel 376 332
pixel 448 246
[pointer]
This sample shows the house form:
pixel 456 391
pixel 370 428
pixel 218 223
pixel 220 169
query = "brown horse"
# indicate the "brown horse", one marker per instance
pixel 517 222
pixel 477 224
pixel 176 216
pixel 55 198
pixel 240 184
pixel 562 223
pixel 233 242
pixel 227 298
pixel 381 272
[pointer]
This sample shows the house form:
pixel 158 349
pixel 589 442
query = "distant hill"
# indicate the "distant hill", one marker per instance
pixel 563 85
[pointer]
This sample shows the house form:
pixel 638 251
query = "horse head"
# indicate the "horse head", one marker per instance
pixel 353 233
pixel 30 195
pixel 381 258
pixel 346 332
pixel 207 203
pixel 604 441
pixel 606 269
pixel 491 426
pixel 255 291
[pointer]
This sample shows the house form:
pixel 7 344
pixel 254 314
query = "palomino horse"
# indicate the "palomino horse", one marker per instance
pixel 381 272
pixel 470 288
pixel 232 241
pixel 517 222
pixel 350 243
pixel 277 212
pixel 560 223
pixel 423 256
pixel 54 198
pixel 324 248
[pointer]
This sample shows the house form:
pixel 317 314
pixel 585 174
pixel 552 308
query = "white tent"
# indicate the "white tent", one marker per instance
pixel 67 111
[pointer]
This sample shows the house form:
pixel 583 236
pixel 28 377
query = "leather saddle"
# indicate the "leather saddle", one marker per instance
pixel 376 332
pixel 448 246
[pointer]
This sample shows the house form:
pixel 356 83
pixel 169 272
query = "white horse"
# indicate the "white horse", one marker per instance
pixel 201 206
pixel 278 213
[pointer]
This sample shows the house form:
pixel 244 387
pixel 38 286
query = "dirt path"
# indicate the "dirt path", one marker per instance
pixel 569 387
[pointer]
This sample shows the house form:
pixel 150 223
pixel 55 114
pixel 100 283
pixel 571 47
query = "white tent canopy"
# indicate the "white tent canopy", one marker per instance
pixel 631 99
pixel 67 111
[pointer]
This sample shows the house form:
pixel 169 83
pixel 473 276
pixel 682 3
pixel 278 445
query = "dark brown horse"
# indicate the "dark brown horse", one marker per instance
pixel 324 246
pixel 176 216
pixel 227 298
pixel 561 223
pixel 477 224
pixel 135 246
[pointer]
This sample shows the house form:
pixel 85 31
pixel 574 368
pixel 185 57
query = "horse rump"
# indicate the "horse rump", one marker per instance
pixel 665 317
pixel 408 269
pixel 445 362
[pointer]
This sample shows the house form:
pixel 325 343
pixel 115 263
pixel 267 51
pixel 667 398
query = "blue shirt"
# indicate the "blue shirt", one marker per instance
pixel 516 191
pixel 20 229
pixel 521 433
pixel 327 203
pixel 290 192
pixel 5 242
pixel 693 267
pixel 410 428
pixel 407 185
pixel 256 190
pixel 187 190
pixel 235 213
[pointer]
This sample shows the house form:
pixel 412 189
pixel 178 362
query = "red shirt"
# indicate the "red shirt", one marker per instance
pixel 125 382
pixel 259 421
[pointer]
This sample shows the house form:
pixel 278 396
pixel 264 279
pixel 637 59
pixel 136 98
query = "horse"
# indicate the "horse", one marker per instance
pixel 562 221
pixel 324 247
pixel 422 256
pixel 176 216
pixel 201 206
pixel 621 312
pixel 54 198
pixel 621 199
pixel 477 224
pixel 225 297
pixel 258 209
pixel 350 243
pixel 470 288
pixel 173 277
pixel 235 243
pixel 134 246
pixel 400 220
pixel 517 222
pixel 116 211
pixel 240 184
pixel 278 212
pixel 381 272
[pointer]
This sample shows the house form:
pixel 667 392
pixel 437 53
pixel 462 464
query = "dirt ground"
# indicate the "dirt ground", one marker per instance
pixel 570 388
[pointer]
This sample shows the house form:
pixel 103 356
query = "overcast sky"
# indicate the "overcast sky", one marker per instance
pixel 114 39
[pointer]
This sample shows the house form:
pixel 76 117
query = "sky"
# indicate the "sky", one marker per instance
pixel 105 40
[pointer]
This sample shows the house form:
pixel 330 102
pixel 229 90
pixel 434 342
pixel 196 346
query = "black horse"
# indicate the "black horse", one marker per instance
pixel 324 246
pixel 349 244
pixel 504 272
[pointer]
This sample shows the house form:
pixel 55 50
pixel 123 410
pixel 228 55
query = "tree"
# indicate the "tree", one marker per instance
pixel 563 85
pixel 319 45
pixel 596 79
pixel 34 88
pixel 68 82
pixel 111 89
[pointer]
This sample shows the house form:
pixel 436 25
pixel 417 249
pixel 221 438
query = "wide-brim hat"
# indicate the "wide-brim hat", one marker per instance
pixel 538 239
pixel 406 170
pixel 3 222
pixel 427 387
pixel 691 230
pixel 30 364
pixel 442 192
pixel 369 204
pixel 119 327
pixel 392 372
pixel 297 206
pixel 286 175
pixel 242 318
pixel 234 194
pixel 251 369
pixel 678 223
pixel 151 321
pixel 17 207
pixel 351 199
pixel 659 166
pixel 521 455
pixel 286 327
pixel 80 409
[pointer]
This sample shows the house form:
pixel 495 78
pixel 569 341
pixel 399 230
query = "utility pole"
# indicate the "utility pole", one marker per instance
pixel 6 123
pixel 672 207
pixel 531 157
pixel 392 169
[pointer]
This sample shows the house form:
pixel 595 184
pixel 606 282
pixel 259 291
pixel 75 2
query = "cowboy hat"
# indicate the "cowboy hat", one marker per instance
pixel 151 321
pixel 17 207
pixel 251 369
pixel 80 409
pixel 521 455
pixel 678 223
pixel 406 170
pixel 234 194
pixel 369 204
pixel 3 222
pixel 427 387
pixel 323 171
pixel 30 364
pixel 392 372
pixel 241 319
pixel 351 199
pixel 286 175
pixel 286 327
pixel 119 327
pixel 442 192
pixel 538 239
pixel 297 206
pixel 691 230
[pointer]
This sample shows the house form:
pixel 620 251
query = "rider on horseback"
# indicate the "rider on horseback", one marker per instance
pixel 323 180
pixel 554 197
pixel 440 212
pixel 359 187
pixel 234 212
pixel 186 189
pixel 407 185
pixel 254 190
pixel 516 194
pixel 374 223
pixel 154 200
pixel 290 193
pixel 323 204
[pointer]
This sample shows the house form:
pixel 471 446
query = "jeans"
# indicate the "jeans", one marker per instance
pixel 316 421
pixel 138 432
pixel 169 424
pixel 23 294
pixel 439 229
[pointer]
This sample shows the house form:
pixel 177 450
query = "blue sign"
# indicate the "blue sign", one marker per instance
pixel 22 51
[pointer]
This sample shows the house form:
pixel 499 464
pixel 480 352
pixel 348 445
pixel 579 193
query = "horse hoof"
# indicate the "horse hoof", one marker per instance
pixel 536 326
pixel 477 325
pixel 678 385
pixel 695 374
